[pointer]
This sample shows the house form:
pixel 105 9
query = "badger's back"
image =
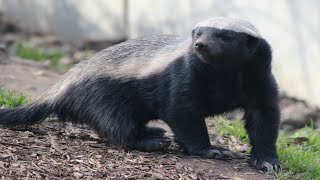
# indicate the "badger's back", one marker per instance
pixel 133 59
pixel 107 80
pixel 108 84
pixel 137 58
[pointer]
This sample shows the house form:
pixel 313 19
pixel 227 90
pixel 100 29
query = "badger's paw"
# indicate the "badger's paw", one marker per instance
pixel 215 152
pixel 266 163
pixel 149 144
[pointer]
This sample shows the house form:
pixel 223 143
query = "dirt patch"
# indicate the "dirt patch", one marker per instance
pixel 28 77
pixel 54 150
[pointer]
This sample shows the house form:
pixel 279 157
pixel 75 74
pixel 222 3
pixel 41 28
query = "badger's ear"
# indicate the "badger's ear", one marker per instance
pixel 192 34
pixel 252 43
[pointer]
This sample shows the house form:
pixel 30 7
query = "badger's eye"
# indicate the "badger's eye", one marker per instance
pixel 224 38
pixel 227 38
pixel 199 34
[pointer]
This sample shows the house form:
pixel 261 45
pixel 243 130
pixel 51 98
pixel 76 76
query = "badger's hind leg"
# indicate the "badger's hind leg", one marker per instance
pixel 127 132
pixel 151 139
pixel 119 116
pixel 153 131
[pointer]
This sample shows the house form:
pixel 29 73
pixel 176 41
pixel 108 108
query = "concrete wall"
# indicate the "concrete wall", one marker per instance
pixel 73 20
pixel 291 27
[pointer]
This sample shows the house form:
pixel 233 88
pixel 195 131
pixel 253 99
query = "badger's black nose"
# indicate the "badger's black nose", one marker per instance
pixel 201 46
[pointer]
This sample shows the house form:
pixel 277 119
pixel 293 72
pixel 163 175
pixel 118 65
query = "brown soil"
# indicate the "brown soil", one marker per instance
pixel 53 150
pixel 28 77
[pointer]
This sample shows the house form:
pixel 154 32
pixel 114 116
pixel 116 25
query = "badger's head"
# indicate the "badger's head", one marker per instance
pixel 225 42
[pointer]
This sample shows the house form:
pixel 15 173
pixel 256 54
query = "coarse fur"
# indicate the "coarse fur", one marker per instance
pixel 225 65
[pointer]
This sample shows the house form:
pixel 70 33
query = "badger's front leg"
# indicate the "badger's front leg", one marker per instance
pixel 191 133
pixel 262 126
pixel 262 123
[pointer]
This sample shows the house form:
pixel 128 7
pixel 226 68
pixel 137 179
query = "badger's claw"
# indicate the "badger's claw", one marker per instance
pixel 266 164
pixel 216 153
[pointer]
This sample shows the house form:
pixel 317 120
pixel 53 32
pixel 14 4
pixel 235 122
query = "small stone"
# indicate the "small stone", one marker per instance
pixel 158 176
pixel 238 178
pixel 77 175
pixel 190 169
pixel 65 60
pixel 233 139
pixel 98 156
pixel 193 176
pixel 39 73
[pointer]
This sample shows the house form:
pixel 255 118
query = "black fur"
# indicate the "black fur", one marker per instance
pixel 219 71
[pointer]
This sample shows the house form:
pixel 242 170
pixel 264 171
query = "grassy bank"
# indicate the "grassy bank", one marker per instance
pixel 298 151
pixel 37 54
pixel 10 99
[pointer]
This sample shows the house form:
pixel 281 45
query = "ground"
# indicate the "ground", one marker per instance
pixel 53 150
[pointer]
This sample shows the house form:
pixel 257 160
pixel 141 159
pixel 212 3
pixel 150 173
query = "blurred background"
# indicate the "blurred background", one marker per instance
pixel 59 34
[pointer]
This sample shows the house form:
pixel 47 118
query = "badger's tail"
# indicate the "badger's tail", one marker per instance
pixel 26 115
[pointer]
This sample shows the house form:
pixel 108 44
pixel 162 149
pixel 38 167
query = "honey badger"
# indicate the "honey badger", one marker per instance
pixel 225 65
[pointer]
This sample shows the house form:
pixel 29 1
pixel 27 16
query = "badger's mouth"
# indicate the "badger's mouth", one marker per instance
pixel 202 54
pixel 201 57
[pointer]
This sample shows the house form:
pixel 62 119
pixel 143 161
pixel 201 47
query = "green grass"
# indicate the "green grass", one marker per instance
pixel 235 128
pixel 36 54
pixel 312 137
pixel 300 160
pixel 10 99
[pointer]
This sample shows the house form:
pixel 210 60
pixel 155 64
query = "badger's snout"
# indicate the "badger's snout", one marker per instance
pixel 202 49
pixel 201 46
pixel 206 48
